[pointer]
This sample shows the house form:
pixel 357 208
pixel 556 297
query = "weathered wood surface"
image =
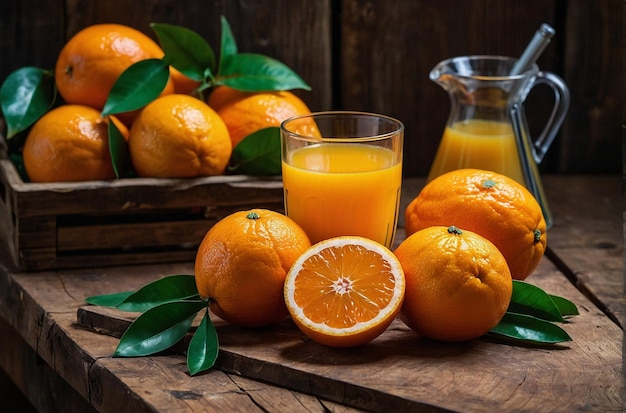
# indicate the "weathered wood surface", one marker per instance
pixel 120 222
pixel 375 55
pixel 397 371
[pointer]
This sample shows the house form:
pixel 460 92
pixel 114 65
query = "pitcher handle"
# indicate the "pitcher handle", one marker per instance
pixel 561 105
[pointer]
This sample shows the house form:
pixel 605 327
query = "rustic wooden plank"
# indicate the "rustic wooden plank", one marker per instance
pixel 131 220
pixel 299 33
pixel 265 27
pixel 12 398
pixel 188 233
pixel 398 369
pixel 389 49
pixel 41 385
pixel 82 360
pixel 283 356
pixel 593 69
pixel 137 194
pixel 587 242
pixel 31 34
pixel 376 55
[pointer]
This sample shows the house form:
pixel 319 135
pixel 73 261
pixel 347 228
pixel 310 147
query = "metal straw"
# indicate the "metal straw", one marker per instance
pixel 534 49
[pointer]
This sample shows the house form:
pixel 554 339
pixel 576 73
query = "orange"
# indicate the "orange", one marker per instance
pixel 490 204
pixel 92 60
pixel 245 113
pixel 458 285
pixel 344 291
pixel 242 262
pixel 69 143
pixel 177 136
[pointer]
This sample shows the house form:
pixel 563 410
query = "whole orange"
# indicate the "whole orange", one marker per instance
pixel 490 204
pixel 245 113
pixel 93 59
pixel 458 284
pixel 177 136
pixel 242 263
pixel 69 143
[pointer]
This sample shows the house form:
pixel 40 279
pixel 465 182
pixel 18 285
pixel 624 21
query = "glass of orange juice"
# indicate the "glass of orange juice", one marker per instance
pixel 342 174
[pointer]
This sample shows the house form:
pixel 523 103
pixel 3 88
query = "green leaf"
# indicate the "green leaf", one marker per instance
pixel 530 329
pixel 185 49
pixel 120 155
pixel 251 72
pixel 228 45
pixel 531 300
pixel 166 289
pixel 158 328
pixel 108 300
pixel 137 86
pixel 25 95
pixel 258 154
pixel 203 347
pixel 565 306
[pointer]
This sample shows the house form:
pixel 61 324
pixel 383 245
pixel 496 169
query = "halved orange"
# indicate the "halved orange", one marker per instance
pixel 344 291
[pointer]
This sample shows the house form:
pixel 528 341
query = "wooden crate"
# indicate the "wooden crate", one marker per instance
pixel 127 221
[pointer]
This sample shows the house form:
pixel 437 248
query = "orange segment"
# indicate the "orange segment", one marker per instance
pixel 344 291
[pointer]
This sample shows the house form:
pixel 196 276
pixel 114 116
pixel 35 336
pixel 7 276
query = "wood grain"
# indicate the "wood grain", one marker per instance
pixel 375 55
pixel 398 371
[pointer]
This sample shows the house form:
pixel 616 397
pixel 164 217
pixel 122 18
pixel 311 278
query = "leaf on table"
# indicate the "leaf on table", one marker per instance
pixel 531 329
pixel 252 72
pixel 25 95
pixel 158 329
pixel 108 300
pixel 257 154
pixel 203 347
pixel 166 289
pixel 185 49
pixel 531 300
pixel 138 85
pixel 565 306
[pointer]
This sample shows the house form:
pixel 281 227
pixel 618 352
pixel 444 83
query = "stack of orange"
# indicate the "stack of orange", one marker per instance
pixel 446 282
pixel 174 136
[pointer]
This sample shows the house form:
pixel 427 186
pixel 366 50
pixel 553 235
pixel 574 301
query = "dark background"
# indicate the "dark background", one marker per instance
pixel 375 55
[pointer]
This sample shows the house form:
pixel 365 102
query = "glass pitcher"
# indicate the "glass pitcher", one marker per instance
pixel 487 127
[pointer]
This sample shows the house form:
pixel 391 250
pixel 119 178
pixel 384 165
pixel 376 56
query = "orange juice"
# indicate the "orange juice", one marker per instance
pixel 478 144
pixel 343 189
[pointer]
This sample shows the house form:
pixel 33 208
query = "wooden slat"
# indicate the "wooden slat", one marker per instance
pixel 388 52
pixel 60 366
pixel 77 224
pixel 265 27
pixel 281 355
pixel 376 55
pixel 396 370
pixel 46 391
pixel 587 250
pixel 593 68
pixel 128 236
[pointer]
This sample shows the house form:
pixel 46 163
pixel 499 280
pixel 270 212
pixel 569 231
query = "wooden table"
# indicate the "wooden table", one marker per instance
pixel 63 366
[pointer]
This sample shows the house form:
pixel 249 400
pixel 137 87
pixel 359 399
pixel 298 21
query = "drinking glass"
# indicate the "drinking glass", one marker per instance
pixel 342 174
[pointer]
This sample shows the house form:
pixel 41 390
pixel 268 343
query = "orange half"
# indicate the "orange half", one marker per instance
pixel 345 291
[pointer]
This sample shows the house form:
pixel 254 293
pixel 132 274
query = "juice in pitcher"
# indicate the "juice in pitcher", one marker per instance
pixel 343 189
pixel 480 144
